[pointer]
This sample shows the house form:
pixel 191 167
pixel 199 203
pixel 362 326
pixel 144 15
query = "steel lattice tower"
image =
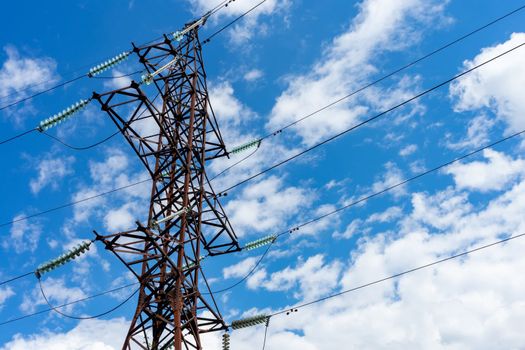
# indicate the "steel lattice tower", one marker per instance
pixel 173 138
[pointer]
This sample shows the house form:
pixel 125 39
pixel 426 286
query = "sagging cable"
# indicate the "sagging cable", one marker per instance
pixel 62 116
pixel 260 242
pixel 246 146
pixel 178 35
pixel 63 259
pixel 250 321
pixel 108 64
pixel 178 213
pixel 148 78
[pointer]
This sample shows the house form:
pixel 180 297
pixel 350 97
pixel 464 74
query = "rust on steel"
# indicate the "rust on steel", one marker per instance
pixel 173 137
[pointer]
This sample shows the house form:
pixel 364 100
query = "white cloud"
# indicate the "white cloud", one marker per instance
pixel 478 131
pixel 355 227
pixel 228 109
pixel 56 292
pixel 119 80
pixel 87 335
pixel 408 150
pixel 313 276
pixel 380 26
pixel 24 75
pixel 24 236
pixel 252 75
pixel 110 173
pixel 51 171
pixel 494 174
pixel 363 227
pixel 265 205
pixel 497 86
pixel 5 293
pixel 388 215
pixel 392 176
pixel 122 218
pixel 465 301
pixel 240 269
pixel 252 24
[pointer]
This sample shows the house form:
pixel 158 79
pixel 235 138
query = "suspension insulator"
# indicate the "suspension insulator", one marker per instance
pixel 246 146
pixel 62 116
pixel 108 64
pixel 260 242
pixel 185 210
pixel 249 322
pixel 63 259
pixel 225 341
pixel 192 264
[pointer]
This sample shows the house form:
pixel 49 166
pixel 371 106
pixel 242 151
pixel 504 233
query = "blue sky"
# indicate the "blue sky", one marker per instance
pixel 285 60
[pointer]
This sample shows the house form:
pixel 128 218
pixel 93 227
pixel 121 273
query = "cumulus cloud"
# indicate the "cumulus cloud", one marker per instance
pixel 109 335
pixel 494 174
pixel 252 25
pixel 392 176
pixel 51 171
pixel 478 131
pixel 24 236
pixel 5 293
pixel 253 75
pixel 380 26
pixel 24 75
pixel 56 291
pixel 265 205
pixel 240 269
pixel 112 172
pixel 497 87
pixel 313 278
pixel 227 107
pixel 119 80
pixel 465 301
pixel 407 150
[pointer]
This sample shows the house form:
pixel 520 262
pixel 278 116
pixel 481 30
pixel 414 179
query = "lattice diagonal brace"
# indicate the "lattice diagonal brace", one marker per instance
pixel 173 138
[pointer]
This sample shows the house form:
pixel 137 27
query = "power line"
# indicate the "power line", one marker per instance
pixel 67 304
pixel 211 12
pixel 76 148
pixel 56 309
pixel 375 82
pixel 119 76
pixel 67 82
pixel 42 92
pixel 352 204
pixel 367 86
pixel 404 182
pixel 235 164
pixel 17 136
pixel 379 115
pixel 208 39
pixel 452 257
pixel 253 269
pixel 395 72
pixel 290 158
pixel 16 278
pixel 70 204
pixel 366 198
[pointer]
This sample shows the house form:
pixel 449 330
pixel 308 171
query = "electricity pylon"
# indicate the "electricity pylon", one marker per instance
pixel 174 137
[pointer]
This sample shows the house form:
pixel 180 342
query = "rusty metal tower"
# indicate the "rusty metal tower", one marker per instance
pixel 174 137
